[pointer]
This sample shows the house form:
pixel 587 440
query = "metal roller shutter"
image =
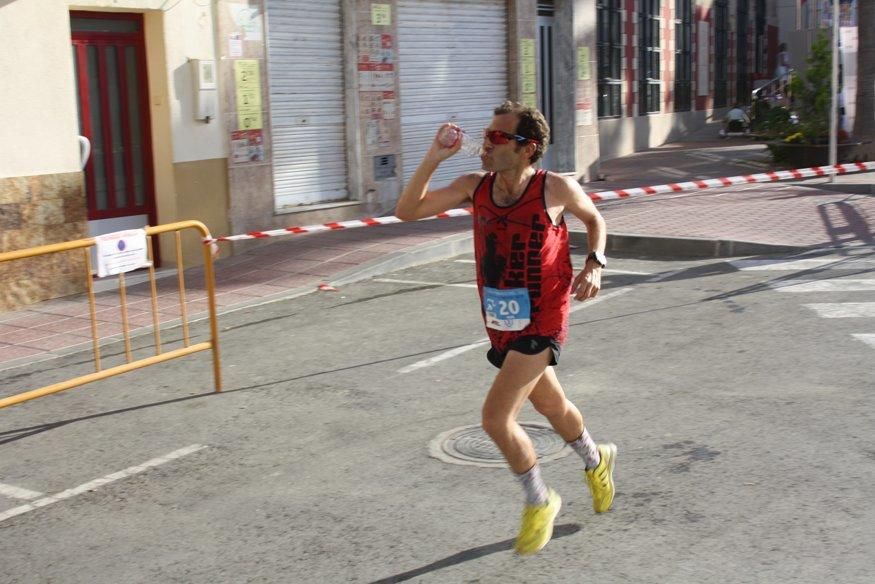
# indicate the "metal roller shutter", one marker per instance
pixel 452 60
pixel 307 114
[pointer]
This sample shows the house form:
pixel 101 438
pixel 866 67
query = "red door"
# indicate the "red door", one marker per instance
pixel 109 58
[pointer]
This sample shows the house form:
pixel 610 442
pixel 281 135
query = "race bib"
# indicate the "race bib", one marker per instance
pixel 507 310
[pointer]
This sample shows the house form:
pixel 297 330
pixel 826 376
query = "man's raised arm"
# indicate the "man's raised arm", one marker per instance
pixel 417 202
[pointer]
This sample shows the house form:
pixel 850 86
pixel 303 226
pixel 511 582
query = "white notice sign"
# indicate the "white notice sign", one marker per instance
pixel 122 251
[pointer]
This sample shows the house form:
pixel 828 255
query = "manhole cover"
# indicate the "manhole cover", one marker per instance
pixel 470 445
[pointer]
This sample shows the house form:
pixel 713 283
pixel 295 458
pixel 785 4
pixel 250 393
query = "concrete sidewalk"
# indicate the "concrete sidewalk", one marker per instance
pixel 743 220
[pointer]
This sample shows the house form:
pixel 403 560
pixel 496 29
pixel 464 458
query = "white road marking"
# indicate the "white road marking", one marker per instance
pixel 823 285
pixel 14 492
pixel 587 303
pixel 804 264
pixel 443 356
pixel 631 273
pixel 624 272
pixel 671 171
pixel 665 275
pixel 843 309
pixel 868 339
pixel 464 261
pixel 97 483
pixel 421 283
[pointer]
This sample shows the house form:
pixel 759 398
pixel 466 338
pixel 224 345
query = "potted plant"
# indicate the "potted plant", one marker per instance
pixel 806 143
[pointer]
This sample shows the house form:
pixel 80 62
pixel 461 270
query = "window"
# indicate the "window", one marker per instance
pixel 649 57
pixel 721 48
pixel 610 55
pixel 742 80
pixel 761 40
pixel 683 55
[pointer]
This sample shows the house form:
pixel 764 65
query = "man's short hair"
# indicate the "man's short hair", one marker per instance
pixel 531 125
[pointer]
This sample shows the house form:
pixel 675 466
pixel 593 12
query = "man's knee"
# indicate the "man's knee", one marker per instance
pixel 551 407
pixel 495 424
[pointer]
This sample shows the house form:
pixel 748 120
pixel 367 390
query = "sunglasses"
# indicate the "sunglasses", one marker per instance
pixel 499 137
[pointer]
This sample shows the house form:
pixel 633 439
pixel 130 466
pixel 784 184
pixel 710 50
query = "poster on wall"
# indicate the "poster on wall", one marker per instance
pixel 247 82
pixel 247 146
pixel 381 14
pixel 248 21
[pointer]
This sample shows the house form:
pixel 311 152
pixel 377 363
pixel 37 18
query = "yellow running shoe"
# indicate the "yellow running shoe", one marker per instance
pixel 601 478
pixel 537 527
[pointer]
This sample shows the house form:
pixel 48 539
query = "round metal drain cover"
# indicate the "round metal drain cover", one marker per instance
pixel 470 445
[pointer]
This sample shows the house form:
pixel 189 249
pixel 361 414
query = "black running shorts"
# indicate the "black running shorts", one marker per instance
pixel 530 345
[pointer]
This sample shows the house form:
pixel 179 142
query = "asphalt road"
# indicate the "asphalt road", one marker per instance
pixel 741 401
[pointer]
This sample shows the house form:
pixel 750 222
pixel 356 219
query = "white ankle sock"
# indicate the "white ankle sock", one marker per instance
pixel 586 448
pixel 533 485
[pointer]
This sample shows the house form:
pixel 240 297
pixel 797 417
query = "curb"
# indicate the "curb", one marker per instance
pixel 677 247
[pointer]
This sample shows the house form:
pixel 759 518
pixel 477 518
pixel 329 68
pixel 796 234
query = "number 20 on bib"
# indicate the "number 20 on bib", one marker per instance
pixel 507 310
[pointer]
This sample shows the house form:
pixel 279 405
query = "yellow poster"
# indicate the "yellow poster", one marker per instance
pixel 527 49
pixel 530 100
pixel 582 63
pixel 381 14
pixel 247 82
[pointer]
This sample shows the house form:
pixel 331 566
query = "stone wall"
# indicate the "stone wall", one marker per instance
pixel 34 211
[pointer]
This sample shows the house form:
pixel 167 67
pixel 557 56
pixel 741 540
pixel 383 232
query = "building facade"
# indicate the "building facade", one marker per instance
pixel 258 114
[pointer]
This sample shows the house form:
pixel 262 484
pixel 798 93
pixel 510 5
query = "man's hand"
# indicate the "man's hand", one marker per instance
pixel 588 283
pixel 440 150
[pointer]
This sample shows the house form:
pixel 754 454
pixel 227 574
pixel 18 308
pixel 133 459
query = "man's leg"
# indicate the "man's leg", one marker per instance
pixel 515 381
pixel 550 401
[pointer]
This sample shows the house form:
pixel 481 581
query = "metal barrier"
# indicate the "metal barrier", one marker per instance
pixel 85 245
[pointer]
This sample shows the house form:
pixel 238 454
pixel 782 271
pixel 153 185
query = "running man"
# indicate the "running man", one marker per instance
pixel 525 280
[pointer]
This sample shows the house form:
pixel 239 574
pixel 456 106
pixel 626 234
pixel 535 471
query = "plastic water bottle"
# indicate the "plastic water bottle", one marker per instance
pixel 450 135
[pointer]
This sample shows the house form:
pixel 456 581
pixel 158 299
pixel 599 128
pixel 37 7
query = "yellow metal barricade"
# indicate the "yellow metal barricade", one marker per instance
pixel 85 245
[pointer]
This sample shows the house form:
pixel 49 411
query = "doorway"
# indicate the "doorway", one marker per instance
pixel 545 73
pixel 113 107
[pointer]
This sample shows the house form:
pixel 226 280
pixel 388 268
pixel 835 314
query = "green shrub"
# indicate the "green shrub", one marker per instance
pixel 811 92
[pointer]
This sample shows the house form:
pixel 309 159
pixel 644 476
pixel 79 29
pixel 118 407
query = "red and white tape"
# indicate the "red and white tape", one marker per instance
pixel 697 185
pixel 712 183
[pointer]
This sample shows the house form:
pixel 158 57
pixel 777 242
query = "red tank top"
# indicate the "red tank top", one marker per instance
pixel 518 249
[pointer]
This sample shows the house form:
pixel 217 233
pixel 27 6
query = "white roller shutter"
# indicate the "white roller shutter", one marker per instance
pixel 307 114
pixel 452 60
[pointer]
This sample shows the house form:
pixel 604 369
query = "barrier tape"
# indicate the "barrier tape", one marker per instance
pixel 697 185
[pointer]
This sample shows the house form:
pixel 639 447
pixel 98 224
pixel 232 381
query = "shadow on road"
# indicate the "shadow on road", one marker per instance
pixel 472 554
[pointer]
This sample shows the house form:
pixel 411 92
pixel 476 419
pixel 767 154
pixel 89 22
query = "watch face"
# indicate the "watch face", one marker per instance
pixel 600 258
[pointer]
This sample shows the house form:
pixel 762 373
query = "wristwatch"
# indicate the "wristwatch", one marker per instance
pixel 598 257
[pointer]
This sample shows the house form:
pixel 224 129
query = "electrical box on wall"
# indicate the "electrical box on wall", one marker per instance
pixel 206 98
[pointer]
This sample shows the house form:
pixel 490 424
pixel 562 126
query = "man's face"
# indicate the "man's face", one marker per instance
pixel 498 157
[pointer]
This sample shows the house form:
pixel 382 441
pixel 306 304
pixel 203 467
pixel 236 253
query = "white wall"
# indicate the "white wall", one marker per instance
pixel 188 34
pixel 624 136
pixel 38 91
pixel 38 120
